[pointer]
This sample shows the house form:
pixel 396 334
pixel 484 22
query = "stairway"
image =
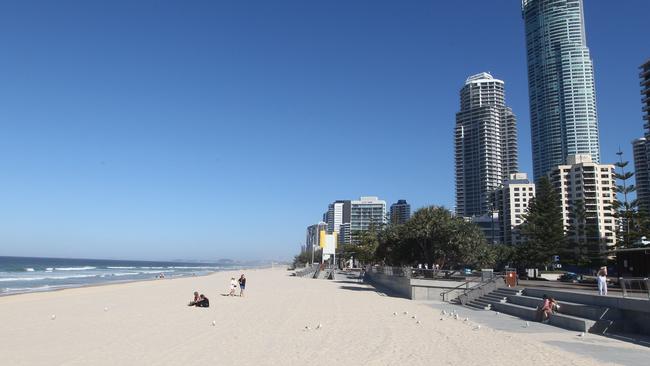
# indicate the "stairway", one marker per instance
pixel 572 316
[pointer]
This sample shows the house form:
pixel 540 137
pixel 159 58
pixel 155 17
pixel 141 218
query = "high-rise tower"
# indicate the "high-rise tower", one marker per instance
pixel 400 212
pixel 563 118
pixel 641 147
pixel 486 144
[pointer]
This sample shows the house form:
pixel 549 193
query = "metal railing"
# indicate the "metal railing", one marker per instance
pixel 307 271
pixel 391 271
pixel 634 285
pixel 466 289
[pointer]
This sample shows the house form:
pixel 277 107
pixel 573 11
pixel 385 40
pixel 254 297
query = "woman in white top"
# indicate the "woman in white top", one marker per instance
pixel 602 281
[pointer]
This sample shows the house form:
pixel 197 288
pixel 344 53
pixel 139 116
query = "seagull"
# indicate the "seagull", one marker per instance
pixel 214 322
pixel 307 327
pixel 319 326
pixel 477 327
pixel 406 313
pixel 527 324
pixel 106 309
pixel 417 322
pixel 582 334
pixel 394 313
pixel 466 319
pixel 496 313
pixel 456 316
pixel 442 318
pixel 53 316
pixel 444 312
pixel 414 317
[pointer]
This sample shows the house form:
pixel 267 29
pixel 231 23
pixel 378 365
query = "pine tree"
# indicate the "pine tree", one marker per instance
pixel 627 213
pixel 583 244
pixel 543 228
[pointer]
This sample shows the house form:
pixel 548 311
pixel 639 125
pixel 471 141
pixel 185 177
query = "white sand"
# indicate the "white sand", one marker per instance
pixel 148 323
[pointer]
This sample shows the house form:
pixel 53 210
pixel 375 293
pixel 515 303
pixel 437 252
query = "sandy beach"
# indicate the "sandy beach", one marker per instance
pixel 148 323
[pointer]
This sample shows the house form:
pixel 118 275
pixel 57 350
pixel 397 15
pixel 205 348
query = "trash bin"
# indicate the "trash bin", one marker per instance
pixel 511 277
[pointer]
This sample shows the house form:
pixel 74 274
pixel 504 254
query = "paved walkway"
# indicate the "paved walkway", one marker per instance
pixel 605 349
pixel 580 288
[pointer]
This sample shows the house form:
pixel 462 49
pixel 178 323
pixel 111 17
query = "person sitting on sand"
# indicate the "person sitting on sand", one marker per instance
pixel 233 286
pixel 203 302
pixel 242 285
pixel 196 299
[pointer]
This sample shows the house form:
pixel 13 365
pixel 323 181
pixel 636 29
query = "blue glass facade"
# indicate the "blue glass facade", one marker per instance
pixel 561 84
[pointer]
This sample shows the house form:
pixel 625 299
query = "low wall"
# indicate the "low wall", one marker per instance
pixel 628 314
pixel 432 289
pixel 398 285
pixel 413 288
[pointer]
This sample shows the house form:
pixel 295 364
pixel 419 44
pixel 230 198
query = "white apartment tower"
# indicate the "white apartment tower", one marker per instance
pixel 581 181
pixel 485 139
pixel 338 213
pixel 511 201
pixel 365 213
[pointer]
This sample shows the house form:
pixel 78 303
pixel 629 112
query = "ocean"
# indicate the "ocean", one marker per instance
pixel 23 274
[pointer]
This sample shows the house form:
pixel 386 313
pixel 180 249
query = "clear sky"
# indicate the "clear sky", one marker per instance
pixel 212 129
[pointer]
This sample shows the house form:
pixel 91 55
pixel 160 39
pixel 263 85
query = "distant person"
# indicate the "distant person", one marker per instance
pixel 242 285
pixel 196 298
pixel 553 305
pixel 601 279
pixel 161 275
pixel 233 286
pixel 543 311
pixel 203 302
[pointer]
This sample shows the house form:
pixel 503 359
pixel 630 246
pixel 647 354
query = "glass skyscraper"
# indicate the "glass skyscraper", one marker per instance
pixel 563 118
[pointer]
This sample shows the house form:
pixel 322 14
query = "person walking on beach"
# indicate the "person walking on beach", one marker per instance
pixel 233 286
pixel 242 285
pixel 601 278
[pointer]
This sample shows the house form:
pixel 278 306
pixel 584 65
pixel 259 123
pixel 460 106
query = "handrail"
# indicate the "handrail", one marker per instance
pixel 467 288
pixel 623 281
pixel 466 284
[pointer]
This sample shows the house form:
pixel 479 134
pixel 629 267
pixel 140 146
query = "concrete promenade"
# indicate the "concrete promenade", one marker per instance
pixel 605 350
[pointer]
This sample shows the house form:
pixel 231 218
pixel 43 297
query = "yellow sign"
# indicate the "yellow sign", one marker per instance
pixel 321 241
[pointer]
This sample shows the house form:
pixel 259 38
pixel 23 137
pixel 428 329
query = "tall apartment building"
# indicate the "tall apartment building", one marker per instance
pixel 338 212
pixel 485 144
pixel 313 235
pixel 511 202
pixel 400 212
pixel 364 213
pixel 563 118
pixel 593 185
pixel 641 148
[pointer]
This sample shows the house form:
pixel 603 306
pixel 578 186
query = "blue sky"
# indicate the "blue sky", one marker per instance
pixel 212 129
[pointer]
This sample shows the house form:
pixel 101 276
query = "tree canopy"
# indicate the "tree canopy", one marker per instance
pixel 434 235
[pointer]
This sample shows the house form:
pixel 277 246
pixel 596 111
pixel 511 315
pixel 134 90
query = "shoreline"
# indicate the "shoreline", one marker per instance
pixel 122 282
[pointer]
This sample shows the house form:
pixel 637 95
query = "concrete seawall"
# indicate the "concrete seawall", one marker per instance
pixel 413 288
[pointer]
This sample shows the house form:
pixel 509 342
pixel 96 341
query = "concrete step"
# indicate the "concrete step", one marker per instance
pixel 568 308
pixel 507 291
pixel 476 306
pixel 558 319
pixel 493 297
pixel 481 302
